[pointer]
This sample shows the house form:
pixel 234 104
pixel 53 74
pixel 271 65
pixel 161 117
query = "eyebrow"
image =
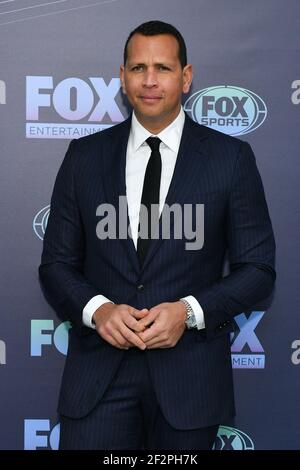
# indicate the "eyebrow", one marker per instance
pixel 165 64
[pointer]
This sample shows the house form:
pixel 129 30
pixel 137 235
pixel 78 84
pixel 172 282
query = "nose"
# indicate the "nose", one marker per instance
pixel 150 78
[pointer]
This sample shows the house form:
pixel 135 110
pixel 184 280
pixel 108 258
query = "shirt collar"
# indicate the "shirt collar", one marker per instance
pixel 170 136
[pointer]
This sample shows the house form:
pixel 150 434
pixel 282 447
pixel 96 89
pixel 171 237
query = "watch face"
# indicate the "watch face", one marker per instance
pixel 191 321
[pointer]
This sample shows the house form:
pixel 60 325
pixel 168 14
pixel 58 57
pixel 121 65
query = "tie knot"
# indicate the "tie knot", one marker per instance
pixel 154 143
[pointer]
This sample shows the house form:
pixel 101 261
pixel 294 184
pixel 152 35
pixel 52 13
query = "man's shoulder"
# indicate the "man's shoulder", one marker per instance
pixel 215 136
pixel 96 139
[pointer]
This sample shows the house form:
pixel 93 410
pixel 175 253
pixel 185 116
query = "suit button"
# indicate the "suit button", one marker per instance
pixel 141 288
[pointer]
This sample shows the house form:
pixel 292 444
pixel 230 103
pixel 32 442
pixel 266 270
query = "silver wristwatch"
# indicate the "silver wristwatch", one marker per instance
pixel 190 321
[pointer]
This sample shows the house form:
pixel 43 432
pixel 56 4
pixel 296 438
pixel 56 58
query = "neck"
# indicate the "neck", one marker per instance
pixel 155 125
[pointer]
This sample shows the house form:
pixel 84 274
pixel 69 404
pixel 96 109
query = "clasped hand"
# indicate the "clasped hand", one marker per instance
pixel 124 326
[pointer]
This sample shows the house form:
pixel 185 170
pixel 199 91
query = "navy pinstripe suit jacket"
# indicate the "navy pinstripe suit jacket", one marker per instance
pixel 193 380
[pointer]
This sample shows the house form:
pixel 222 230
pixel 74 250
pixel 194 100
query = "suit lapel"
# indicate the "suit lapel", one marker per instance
pixel 114 180
pixel 190 159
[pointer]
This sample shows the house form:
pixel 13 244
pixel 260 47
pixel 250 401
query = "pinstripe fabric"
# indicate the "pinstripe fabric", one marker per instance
pixel 128 417
pixel 193 380
pixel 116 422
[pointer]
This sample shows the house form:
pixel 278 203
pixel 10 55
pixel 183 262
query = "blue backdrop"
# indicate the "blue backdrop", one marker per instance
pixel 59 80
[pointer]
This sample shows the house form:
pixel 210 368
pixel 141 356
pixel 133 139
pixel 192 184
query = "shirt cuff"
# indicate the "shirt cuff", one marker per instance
pixel 91 308
pixel 198 312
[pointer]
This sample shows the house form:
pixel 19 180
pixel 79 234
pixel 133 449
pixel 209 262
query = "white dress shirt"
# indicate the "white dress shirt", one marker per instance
pixel 137 156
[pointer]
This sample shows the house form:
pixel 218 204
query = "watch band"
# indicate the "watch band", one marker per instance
pixel 190 321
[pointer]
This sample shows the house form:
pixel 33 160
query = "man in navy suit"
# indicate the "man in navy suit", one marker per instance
pixel 149 364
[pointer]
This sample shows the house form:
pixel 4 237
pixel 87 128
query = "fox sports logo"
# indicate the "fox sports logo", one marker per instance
pixel 232 439
pixel 229 109
pixel 40 221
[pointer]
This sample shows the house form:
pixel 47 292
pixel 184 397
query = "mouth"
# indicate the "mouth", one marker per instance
pixel 150 99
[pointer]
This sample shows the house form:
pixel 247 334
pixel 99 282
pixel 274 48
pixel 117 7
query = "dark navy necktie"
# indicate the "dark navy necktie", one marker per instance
pixel 150 199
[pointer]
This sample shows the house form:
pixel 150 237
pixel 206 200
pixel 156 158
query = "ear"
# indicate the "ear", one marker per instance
pixel 187 78
pixel 122 78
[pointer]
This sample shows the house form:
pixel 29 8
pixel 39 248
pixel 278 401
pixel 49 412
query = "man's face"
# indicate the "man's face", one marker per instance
pixel 154 80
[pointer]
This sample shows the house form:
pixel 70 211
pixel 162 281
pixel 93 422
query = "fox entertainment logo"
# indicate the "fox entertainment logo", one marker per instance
pixel 247 351
pixel 44 333
pixel 72 107
pixel 39 434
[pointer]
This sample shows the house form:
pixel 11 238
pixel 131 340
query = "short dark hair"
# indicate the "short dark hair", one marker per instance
pixel 154 28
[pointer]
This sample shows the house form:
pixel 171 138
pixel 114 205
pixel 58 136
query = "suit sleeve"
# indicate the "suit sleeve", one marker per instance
pixel 61 269
pixel 251 249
